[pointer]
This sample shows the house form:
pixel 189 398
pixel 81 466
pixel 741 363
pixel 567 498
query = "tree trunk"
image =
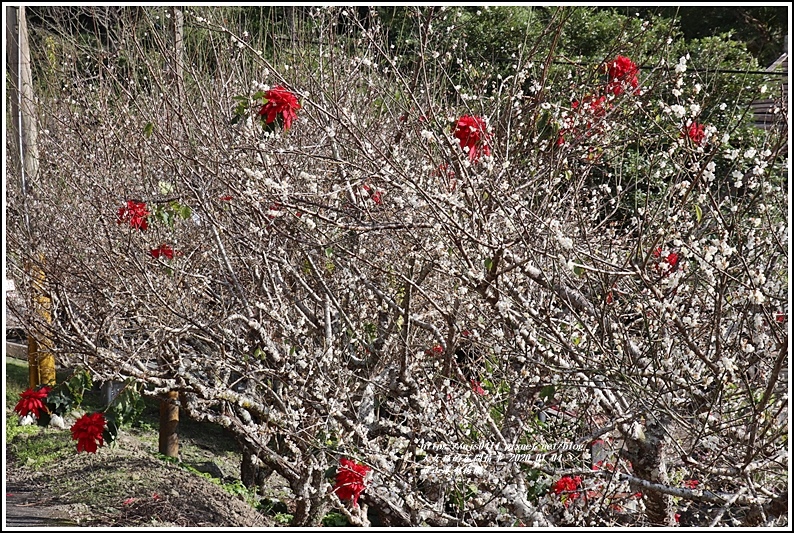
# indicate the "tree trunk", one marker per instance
pixel 169 422
pixel 645 449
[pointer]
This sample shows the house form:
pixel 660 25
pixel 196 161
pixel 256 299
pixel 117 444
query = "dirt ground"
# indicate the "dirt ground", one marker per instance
pixel 122 485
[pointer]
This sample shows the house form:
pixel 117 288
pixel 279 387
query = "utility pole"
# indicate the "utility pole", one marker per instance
pixel 41 361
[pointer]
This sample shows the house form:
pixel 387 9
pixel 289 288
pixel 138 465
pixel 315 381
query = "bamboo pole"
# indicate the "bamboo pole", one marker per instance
pixel 169 407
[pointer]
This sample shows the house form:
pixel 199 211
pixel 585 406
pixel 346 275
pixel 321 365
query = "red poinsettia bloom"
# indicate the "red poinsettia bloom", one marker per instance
pixel 32 401
pixel 473 134
pixel 87 431
pixel 135 213
pixel 164 250
pixel 281 102
pixel 350 480
pixel 696 132
pixel 622 72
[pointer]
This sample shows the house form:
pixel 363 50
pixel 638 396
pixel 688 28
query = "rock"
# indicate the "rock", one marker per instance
pixel 208 467
pixel 57 421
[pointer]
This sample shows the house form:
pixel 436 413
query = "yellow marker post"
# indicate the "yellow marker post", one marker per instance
pixel 41 360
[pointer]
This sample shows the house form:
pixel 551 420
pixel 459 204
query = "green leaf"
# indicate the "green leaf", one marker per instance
pixel 698 213
pixel 547 392
pixel 488 264
pixel 111 429
pixel 164 215
pixel 165 187
pixel 579 271
pixel 185 212
pixel 60 400
pixel 329 252
pixel 148 129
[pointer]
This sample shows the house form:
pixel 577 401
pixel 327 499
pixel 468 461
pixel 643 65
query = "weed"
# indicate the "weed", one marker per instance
pixel 283 518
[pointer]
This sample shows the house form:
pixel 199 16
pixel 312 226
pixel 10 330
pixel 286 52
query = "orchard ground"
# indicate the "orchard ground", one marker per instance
pixel 127 483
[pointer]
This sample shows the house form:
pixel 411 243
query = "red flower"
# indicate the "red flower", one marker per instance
pixel 87 431
pixel 164 250
pixel 227 198
pixel 566 484
pixel 135 213
pixel 282 102
pixel 590 105
pixel 435 350
pixel 696 132
pixel 376 196
pixel 622 71
pixel 477 388
pixel 350 480
pixel 472 133
pixel 691 483
pixel 780 316
pixel 671 260
pixel 32 401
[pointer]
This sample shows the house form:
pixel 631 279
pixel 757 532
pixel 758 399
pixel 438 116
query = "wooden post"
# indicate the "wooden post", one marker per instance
pixel 169 422
pixel 169 407
pixel 41 361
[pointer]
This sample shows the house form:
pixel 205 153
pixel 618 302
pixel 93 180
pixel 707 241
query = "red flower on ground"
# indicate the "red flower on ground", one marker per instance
pixel 691 483
pixel 87 431
pixel 227 198
pixel 477 388
pixel 135 213
pixel 696 132
pixel 780 316
pixel 280 101
pixel 32 401
pixel 350 480
pixel 164 250
pixel 622 72
pixel 473 134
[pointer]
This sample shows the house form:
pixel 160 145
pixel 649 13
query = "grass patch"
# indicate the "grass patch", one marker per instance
pixel 37 447
pixel 16 381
